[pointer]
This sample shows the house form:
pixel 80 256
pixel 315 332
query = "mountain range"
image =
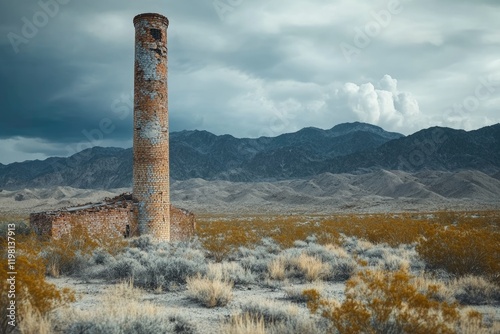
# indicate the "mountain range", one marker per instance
pixel 356 148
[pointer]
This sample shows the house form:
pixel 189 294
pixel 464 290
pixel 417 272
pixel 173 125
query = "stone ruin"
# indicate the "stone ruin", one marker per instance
pixel 115 217
pixel 147 210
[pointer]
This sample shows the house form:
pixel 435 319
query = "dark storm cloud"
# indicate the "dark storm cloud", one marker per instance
pixel 251 68
pixel 66 79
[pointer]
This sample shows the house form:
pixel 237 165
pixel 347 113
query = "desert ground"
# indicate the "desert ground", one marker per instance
pixel 277 257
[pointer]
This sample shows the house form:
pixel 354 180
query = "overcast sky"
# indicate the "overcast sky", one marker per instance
pixel 249 68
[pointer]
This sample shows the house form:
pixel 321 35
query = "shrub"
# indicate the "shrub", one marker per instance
pixel 309 262
pixel 124 268
pixel 392 229
pixel 300 244
pixel 266 248
pixel 244 324
pixel 209 292
pixel 161 267
pixel 471 322
pixel 341 264
pixel 386 302
pixel 144 242
pixel 433 288
pixel 72 252
pixel 101 256
pixel 473 290
pixel 393 262
pixel 138 317
pixel 342 270
pixel 300 294
pixel 146 322
pixel 33 322
pixel 270 311
pixel 177 269
pixel 22 228
pixel 462 251
pixel 230 271
pixel 311 267
pixel 34 294
pixel 279 318
pixel 337 251
pixel 221 241
pixel 277 268
pixel 164 273
pixel 255 265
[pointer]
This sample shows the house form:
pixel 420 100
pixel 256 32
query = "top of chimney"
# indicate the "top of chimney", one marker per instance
pixel 151 16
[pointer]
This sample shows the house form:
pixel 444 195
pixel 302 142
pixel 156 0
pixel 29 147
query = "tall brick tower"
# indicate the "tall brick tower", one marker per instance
pixel 151 186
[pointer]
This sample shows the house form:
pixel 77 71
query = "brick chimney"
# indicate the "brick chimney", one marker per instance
pixel 151 186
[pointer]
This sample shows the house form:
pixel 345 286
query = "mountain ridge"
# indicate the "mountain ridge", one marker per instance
pixel 346 148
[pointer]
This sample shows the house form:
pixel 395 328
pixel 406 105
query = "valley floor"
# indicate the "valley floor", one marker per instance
pixel 374 192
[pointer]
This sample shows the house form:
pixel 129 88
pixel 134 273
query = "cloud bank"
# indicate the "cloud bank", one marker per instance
pixel 250 69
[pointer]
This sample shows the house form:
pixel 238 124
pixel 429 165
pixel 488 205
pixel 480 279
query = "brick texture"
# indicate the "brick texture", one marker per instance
pixel 114 218
pixel 182 224
pixel 151 148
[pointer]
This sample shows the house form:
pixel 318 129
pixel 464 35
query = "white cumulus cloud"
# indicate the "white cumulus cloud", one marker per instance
pixel 381 104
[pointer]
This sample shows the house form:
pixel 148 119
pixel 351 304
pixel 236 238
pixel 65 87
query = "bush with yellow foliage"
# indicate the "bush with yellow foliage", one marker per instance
pixel 32 291
pixel 388 302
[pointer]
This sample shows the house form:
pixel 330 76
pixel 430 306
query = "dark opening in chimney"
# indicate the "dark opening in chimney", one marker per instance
pixel 156 33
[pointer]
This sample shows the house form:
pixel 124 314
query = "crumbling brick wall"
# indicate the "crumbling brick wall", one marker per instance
pixel 112 220
pixel 182 224
pixel 42 223
pixel 117 217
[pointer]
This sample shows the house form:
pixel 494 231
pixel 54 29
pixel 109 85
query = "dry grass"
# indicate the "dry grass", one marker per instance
pixel 387 297
pixel 67 254
pixel 461 243
pixel 271 311
pixel 296 293
pixel 209 292
pixel 474 290
pixel 230 271
pixel 33 322
pixel 33 291
pixel 122 311
pixel 277 268
pixel 244 324
pixel 337 251
pixel 433 288
pixel 12 217
pixel 122 291
pixel 471 322
pixel 280 317
pixel 312 268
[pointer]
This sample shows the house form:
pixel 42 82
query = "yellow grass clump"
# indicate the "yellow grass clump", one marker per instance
pixel 210 292
pixel 244 324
